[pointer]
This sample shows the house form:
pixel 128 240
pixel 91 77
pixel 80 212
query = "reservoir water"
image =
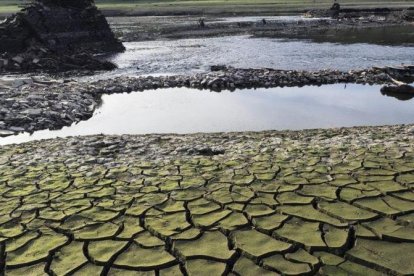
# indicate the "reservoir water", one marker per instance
pixel 183 110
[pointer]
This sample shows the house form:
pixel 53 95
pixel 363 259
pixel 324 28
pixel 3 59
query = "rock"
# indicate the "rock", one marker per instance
pixel 403 89
pixel 20 82
pixel 5 133
pixel 17 83
pixel 18 59
pixel 16 129
pixel 6 83
pixel 33 111
pixel 52 35
pixel 215 68
pixel 45 81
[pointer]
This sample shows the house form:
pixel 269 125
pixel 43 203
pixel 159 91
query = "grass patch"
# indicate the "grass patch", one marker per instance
pixel 217 6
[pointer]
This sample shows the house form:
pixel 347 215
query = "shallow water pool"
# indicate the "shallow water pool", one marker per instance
pixel 182 110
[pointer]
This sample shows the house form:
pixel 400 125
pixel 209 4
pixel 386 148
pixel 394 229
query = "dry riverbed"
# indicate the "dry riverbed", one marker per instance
pixel 337 201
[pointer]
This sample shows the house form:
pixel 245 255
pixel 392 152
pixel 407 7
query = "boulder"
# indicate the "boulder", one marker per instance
pixel 56 35
pixel 401 89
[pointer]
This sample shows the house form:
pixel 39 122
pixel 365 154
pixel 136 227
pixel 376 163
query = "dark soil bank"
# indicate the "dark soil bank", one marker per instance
pixel 56 36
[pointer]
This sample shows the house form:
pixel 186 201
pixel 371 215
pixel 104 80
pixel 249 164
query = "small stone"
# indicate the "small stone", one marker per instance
pixel 18 59
pixel 5 133
pixel 17 129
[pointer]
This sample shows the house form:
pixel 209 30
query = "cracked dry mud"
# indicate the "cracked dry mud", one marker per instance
pixel 330 202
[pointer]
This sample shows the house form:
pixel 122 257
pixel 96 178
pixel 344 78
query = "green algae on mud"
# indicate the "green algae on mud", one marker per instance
pixel 159 205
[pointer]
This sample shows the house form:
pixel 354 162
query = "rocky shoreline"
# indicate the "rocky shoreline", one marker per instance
pixel 34 104
pixel 57 49
pixel 33 41
pixel 225 144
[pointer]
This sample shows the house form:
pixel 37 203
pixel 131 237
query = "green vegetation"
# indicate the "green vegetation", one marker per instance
pixel 143 7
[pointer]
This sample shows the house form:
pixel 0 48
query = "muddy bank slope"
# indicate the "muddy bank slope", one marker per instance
pixel 174 27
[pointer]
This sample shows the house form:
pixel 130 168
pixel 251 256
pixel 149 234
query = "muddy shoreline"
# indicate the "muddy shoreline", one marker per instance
pixel 324 29
pixel 368 28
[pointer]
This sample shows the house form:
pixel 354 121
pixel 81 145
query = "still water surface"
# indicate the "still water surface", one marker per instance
pixel 182 110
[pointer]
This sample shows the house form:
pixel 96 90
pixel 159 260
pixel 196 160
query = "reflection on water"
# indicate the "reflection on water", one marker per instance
pixel 388 35
pixel 399 96
pixel 182 110
pixel 402 96
pixel 189 56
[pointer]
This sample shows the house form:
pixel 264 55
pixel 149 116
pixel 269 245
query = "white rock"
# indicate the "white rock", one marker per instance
pixel 4 133
pixel 18 59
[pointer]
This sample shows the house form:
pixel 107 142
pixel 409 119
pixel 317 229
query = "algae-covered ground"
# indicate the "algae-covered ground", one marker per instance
pixel 334 202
